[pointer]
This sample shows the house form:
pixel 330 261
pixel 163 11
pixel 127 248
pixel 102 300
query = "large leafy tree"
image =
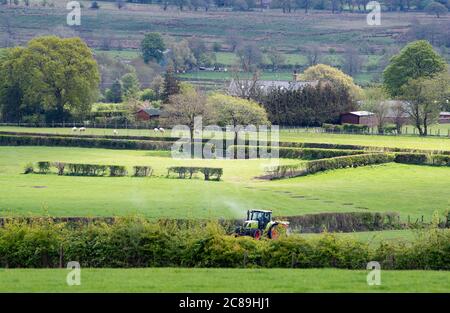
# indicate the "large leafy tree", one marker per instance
pixel 336 77
pixel 416 60
pixel 236 112
pixel 152 47
pixel 51 76
pixel 184 107
pixel 425 98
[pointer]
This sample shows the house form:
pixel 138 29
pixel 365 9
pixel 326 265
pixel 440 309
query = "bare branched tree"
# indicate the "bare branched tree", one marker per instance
pixel 245 88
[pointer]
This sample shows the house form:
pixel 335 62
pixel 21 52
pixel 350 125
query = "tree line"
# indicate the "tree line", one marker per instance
pixel 438 7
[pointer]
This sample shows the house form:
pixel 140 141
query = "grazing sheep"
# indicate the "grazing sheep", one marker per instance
pixel 82 129
pixel 115 132
pixel 156 130
pixel 74 129
pixel 161 130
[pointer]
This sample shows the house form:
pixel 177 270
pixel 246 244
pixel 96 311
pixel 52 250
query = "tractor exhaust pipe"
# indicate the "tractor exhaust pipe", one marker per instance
pixel 248 215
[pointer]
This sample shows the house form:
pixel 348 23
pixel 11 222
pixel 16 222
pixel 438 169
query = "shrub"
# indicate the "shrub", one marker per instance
pixel 12 140
pixel 411 158
pixel 135 242
pixel 60 166
pixel 389 129
pixel 211 172
pixel 440 160
pixel 208 172
pixel 142 171
pixel 117 170
pixel 315 166
pixel 355 128
pixel 87 169
pixel 29 168
pixel 348 128
pixel 44 167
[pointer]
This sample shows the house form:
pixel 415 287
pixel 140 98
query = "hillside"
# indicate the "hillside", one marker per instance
pixel 295 35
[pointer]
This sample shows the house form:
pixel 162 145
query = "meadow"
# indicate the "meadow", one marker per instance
pixel 289 135
pixel 221 280
pixel 409 190
pixel 412 191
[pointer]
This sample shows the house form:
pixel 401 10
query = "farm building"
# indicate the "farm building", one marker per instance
pixel 238 88
pixel 146 114
pixel 444 117
pixel 359 117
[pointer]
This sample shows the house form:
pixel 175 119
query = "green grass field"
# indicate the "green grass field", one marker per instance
pixel 296 135
pixel 409 190
pixel 410 142
pixel 221 280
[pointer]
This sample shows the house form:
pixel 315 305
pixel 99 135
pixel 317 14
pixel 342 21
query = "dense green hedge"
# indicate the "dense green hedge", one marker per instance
pixel 422 158
pixel 293 170
pixel 209 173
pixel 84 135
pixel 77 169
pixel 358 147
pixel 411 158
pixel 142 171
pixel 297 153
pixel 346 128
pixel 140 243
pixel 8 140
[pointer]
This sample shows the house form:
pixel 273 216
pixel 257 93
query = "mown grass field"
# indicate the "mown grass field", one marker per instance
pixel 409 190
pixel 294 135
pixel 221 280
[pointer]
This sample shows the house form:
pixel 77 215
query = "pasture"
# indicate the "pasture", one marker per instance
pixel 288 135
pixel 409 190
pixel 221 280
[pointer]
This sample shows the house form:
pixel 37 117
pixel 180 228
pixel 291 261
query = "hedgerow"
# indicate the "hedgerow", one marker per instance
pixel 311 167
pixel 294 152
pixel 423 159
pixel 142 171
pixel 12 140
pixel 134 242
pixel 209 173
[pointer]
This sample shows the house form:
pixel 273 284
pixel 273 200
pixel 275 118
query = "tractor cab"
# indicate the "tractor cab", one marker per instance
pixel 262 217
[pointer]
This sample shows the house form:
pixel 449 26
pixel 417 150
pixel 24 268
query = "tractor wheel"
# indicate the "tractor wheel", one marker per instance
pixel 257 234
pixel 275 231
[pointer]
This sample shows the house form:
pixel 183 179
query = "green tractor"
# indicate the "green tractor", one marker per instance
pixel 259 223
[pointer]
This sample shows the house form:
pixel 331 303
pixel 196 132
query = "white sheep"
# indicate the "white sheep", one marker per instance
pixel 74 129
pixel 156 130
pixel 82 129
pixel 162 130
pixel 115 132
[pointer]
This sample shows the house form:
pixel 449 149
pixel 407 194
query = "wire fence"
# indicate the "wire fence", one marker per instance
pixel 407 130
pixel 442 130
